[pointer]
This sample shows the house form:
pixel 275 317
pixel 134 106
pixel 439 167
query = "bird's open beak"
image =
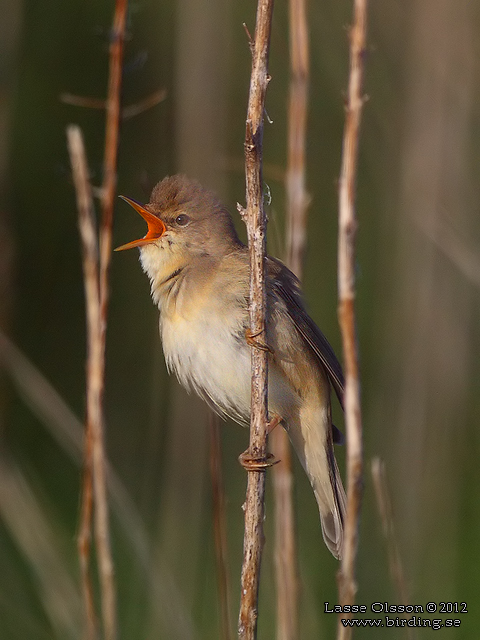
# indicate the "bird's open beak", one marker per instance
pixel 156 228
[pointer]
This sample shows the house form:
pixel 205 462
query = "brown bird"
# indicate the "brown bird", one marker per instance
pixel 199 275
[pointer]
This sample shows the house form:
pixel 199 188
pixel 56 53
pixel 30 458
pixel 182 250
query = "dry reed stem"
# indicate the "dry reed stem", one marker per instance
pixel 96 268
pixel 112 131
pixel 346 310
pixel 297 202
pixel 255 221
pixel 297 198
pixel 84 539
pixel 219 524
pixel 95 382
pixel 286 574
pixel 386 517
pixel 86 213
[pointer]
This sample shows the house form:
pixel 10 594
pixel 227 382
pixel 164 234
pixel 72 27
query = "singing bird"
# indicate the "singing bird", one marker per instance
pixel 199 275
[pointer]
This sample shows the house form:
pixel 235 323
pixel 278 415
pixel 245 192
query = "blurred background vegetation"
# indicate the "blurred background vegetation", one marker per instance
pixel 418 304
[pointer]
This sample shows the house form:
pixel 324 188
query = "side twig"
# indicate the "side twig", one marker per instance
pixel 297 202
pixel 130 111
pixel 256 230
pixel 346 310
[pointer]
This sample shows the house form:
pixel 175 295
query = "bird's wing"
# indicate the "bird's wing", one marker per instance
pixel 287 287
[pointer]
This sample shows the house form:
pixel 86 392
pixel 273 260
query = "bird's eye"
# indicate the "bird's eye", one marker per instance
pixel 182 220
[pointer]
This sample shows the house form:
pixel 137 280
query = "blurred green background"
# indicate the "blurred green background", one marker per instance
pixel 418 305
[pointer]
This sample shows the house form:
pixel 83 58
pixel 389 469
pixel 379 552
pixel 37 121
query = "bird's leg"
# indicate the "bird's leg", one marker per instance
pixel 258 344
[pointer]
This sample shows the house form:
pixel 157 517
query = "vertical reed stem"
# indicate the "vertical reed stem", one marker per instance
pixel 346 310
pixel 256 230
pixel 297 201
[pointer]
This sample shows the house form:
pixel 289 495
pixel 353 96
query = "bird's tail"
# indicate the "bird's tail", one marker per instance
pixel 313 444
pixel 332 509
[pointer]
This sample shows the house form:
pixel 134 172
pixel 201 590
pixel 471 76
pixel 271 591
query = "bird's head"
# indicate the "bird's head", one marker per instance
pixel 183 219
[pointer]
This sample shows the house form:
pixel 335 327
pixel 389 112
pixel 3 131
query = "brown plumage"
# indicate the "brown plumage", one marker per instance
pixel 199 275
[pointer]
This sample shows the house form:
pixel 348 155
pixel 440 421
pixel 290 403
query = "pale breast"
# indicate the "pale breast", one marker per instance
pixel 205 346
pixel 202 325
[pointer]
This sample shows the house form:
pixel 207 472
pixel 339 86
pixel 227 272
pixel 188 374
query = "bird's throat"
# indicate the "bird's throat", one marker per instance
pixel 165 267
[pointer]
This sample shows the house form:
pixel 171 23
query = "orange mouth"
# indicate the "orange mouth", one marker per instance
pixel 156 228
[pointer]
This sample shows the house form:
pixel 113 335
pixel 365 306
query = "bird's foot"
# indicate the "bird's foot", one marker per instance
pixel 251 339
pixel 256 463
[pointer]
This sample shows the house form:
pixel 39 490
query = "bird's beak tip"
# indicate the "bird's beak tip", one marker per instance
pixel 156 228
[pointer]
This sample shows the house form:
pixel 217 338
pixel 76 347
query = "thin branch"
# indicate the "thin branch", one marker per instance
pixel 139 107
pixel 256 231
pixel 84 538
pixel 386 516
pixel 112 131
pixel 126 113
pixel 83 101
pixel 346 310
pixel 90 259
pixel 95 382
pixel 219 524
pixel 297 201
pixel 96 262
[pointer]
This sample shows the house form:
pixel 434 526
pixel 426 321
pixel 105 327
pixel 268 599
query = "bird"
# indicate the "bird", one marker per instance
pixel 199 275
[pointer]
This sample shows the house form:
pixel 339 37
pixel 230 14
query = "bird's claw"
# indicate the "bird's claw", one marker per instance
pixel 255 463
pixel 251 339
